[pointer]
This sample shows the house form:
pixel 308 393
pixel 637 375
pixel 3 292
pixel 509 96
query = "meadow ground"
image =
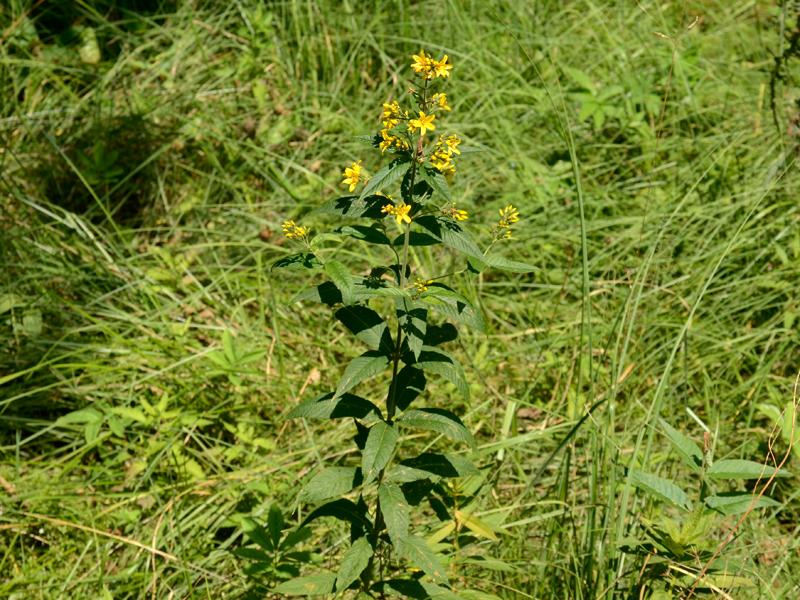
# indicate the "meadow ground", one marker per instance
pixel 148 356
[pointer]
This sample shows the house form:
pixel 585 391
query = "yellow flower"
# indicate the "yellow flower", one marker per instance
pixel 400 213
pixel 456 213
pixel 440 67
pixel 423 123
pixel 293 231
pixel 440 100
pixel 452 142
pixel 352 175
pixel 389 140
pixel 391 114
pixel 423 65
pixel 508 216
pixel 421 285
pixel 441 160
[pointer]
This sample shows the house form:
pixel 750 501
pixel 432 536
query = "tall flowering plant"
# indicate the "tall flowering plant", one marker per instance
pixel 406 203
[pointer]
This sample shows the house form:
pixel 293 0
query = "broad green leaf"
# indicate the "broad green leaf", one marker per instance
pixel 438 420
pixel 660 488
pixel 395 511
pixel 503 264
pixel 354 561
pixel 689 451
pixel 417 552
pixel 275 524
pixel 81 416
pixel 418 589
pixel 440 334
pixel 743 469
pixel 325 293
pixel 365 366
pixel 331 482
pixel 256 533
pixel 302 260
pixel 431 464
pixel 475 525
pixel 736 503
pixel 385 177
pixel 413 322
pixel 309 585
pixel 435 360
pixel 367 326
pixel 438 183
pixel 9 301
pixel 134 414
pixel 342 509
pixel 328 407
pixel 410 383
pixel 378 450
pixel 353 206
pixel 450 303
pixel 372 234
pixel 341 279
pixel 451 234
pixel 295 537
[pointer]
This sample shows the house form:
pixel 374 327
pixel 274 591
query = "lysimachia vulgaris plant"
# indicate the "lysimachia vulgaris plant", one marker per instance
pixel 404 205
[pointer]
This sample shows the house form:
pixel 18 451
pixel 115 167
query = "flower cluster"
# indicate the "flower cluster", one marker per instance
pixel 352 175
pixel 399 212
pixel 391 116
pixel 442 157
pixel 421 285
pixel 508 216
pixel 455 213
pixel 293 231
pixel 428 67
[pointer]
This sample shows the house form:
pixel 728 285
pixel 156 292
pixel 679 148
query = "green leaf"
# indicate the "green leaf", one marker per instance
pixel 378 450
pixel 9 301
pixel 256 533
pixel 451 234
pixel 660 488
pixel 341 279
pixel 372 234
pixel 302 260
pixel 438 183
pixel 410 383
pixel 354 561
pixel 275 524
pixel 325 293
pixel 440 334
pixel 417 589
pixel 743 469
pixel 738 503
pixel 441 363
pixel 416 551
pixel 579 77
pixel 413 322
pixel 395 511
pixel 330 483
pixel 432 465
pixel 503 264
pixel 309 585
pixel 353 206
pixel 450 303
pixel 342 509
pixel 385 177
pixel 365 366
pixel 367 326
pixel 328 407
pixel 84 415
pixel 438 420
pixel 689 451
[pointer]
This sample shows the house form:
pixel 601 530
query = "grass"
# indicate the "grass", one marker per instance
pixel 142 201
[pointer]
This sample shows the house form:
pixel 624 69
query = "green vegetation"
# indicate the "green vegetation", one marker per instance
pixel 149 357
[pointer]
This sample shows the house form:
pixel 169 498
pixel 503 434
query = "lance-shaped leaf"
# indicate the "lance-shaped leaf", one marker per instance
pixel 660 488
pixel 340 407
pixel 440 334
pixel 417 552
pixel 450 303
pixel 326 293
pixel 303 260
pixel 344 510
pixel 475 525
pixel 451 234
pixel 437 182
pixel 341 279
pixel 363 367
pixel 354 561
pixel 395 511
pixel 432 465
pixel 503 264
pixel 372 234
pixel 374 287
pixel 743 469
pixel 689 451
pixel 308 585
pixel 367 326
pixel 381 442
pixel 353 206
pixel 435 360
pixel 386 176
pixel 408 385
pixel 331 482
pixel 737 503
pixel 413 322
pixel 275 524
pixel 438 420
pixel 417 589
